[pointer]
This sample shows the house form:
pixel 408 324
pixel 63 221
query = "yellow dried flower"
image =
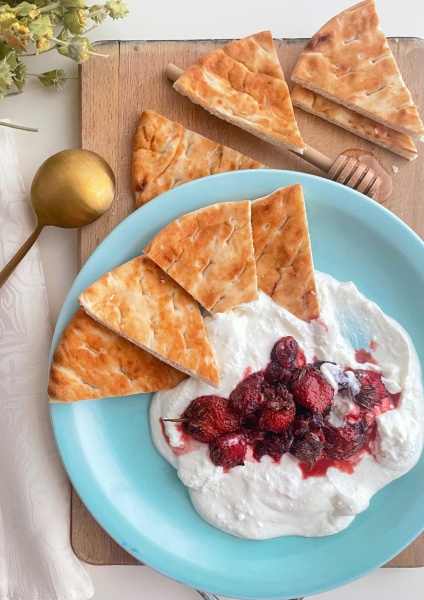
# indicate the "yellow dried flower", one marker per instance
pixel 81 17
pixel 34 13
pixel 17 28
pixel 6 16
pixel 42 45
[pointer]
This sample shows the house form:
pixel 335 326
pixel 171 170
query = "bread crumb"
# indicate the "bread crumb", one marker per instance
pixel 397 40
pixel 395 169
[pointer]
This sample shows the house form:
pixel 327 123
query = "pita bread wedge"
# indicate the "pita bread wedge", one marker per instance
pixel 166 154
pixel 90 361
pixel 209 252
pixel 392 140
pixel 283 252
pixel 243 83
pixel 349 61
pixel 144 305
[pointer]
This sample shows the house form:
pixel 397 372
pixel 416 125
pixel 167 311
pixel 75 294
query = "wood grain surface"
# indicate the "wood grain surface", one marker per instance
pixel 114 91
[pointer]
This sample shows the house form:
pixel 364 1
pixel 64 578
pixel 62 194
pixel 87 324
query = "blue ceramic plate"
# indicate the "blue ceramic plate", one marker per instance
pixel 136 495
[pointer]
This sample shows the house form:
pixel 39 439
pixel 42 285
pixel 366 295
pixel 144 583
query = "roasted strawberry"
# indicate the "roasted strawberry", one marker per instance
pixel 342 442
pixel 372 389
pixel 312 390
pixel 272 372
pixel 250 427
pixel 250 422
pixel 277 414
pixel 247 397
pixel 273 444
pixel 306 421
pixel 228 450
pixel 285 352
pixel 309 448
pixel 208 416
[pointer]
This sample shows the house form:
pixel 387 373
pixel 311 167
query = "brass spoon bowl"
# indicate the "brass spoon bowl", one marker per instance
pixel 70 189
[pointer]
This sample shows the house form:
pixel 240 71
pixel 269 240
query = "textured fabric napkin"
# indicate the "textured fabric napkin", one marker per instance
pixel 36 558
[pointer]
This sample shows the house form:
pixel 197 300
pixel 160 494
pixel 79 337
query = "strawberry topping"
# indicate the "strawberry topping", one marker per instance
pixel 286 409
pixel 207 416
pixel 343 442
pixel 228 450
pixel 309 448
pixel 372 389
pixel 273 444
pixel 278 413
pixel 312 390
pixel 248 397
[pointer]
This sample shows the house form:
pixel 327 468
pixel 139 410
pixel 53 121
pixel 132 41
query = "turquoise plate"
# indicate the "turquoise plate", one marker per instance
pixel 136 495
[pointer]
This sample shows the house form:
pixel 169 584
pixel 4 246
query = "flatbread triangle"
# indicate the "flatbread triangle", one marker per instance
pixel 349 61
pixel 166 154
pixel 91 361
pixel 348 119
pixel 243 83
pixel 283 251
pixel 209 252
pixel 143 304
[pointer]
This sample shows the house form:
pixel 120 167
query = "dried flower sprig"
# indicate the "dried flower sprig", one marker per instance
pixel 31 28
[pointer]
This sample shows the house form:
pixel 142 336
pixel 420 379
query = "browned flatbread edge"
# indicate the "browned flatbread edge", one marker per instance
pixel 339 77
pixel 337 114
pixel 159 160
pixel 193 78
pixel 283 252
pixel 82 370
pixel 140 302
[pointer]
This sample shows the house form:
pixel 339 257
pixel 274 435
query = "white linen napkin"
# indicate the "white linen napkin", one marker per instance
pixel 36 558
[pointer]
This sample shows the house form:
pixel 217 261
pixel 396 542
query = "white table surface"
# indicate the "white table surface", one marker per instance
pixel 56 115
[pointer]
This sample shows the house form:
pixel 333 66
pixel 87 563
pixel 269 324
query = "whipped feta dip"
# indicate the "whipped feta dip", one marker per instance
pixel 266 499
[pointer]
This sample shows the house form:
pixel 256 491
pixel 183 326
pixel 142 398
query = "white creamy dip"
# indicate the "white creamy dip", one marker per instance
pixel 267 499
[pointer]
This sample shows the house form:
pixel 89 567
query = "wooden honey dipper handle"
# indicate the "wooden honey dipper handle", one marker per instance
pixel 173 72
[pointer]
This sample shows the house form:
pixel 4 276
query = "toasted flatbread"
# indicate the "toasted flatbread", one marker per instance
pixel 243 83
pixel 283 252
pixel 144 305
pixel 349 61
pixel 166 154
pixel 367 128
pixel 90 361
pixel 209 252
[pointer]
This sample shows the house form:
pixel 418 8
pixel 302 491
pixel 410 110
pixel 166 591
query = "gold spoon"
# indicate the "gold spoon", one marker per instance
pixel 71 188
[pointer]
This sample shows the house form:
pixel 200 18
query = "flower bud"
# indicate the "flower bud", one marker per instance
pixel 79 48
pixel 98 13
pixel 117 9
pixel 75 21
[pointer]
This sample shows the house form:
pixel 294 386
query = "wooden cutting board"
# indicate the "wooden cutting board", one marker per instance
pixel 114 91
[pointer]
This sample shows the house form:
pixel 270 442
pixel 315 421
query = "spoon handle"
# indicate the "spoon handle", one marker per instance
pixel 13 263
